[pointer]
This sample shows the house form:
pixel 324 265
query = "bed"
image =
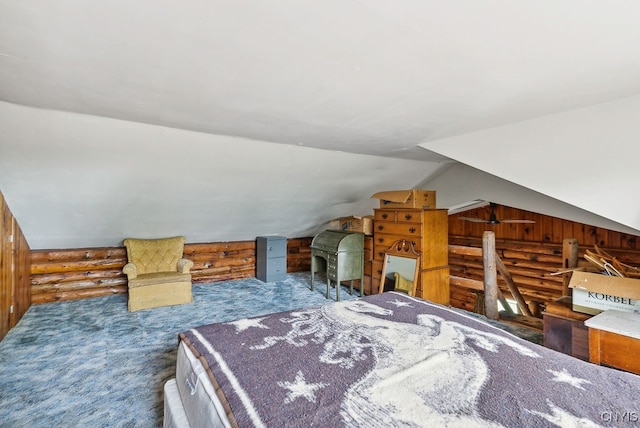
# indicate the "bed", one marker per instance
pixel 385 360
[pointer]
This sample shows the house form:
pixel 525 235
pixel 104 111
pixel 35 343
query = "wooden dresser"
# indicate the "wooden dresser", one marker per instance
pixel 428 231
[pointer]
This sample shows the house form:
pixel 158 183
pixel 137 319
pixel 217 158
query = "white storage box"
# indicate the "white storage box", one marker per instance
pixel 594 293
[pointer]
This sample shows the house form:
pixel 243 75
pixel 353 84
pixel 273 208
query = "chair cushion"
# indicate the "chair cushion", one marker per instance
pixel 159 294
pixel 159 278
pixel 155 255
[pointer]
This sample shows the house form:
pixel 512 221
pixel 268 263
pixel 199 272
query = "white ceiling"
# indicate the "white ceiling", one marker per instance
pixel 392 79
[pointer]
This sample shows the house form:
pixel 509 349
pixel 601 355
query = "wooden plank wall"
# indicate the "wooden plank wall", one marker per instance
pixel 15 297
pixel 58 275
pixel 531 251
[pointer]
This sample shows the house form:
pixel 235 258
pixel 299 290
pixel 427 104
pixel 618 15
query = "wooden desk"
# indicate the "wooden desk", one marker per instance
pixel 614 340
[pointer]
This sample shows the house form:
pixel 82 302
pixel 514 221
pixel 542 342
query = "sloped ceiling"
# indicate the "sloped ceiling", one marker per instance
pixel 584 158
pixel 265 101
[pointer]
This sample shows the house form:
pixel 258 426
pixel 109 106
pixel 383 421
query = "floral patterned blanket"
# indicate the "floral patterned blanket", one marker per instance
pixel 394 360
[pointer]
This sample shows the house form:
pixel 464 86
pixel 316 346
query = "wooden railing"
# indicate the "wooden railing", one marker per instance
pixel 492 265
pixel 530 265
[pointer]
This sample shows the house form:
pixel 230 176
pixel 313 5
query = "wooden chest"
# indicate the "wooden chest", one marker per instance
pixel 614 340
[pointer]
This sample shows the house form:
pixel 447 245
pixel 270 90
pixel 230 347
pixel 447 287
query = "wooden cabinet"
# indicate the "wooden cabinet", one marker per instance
pixel 564 329
pixel 271 258
pixel 427 230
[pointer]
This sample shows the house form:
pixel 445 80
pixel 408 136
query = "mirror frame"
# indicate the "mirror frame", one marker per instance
pixel 401 248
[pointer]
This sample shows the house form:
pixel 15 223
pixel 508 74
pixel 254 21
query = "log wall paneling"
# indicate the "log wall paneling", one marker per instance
pixel 15 296
pixel 299 255
pixel 6 263
pixel 58 275
pixel 6 282
pixel 529 266
pixel 21 275
pixel 545 229
pixel 531 252
pixel 221 261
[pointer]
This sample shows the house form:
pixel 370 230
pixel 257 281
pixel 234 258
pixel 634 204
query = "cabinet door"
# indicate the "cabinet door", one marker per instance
pixel 433 285
pixel 435 239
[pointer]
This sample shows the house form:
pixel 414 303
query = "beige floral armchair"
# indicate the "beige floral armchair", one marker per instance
pixel 157 273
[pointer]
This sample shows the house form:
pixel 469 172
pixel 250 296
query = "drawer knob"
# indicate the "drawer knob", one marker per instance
pixel 412 229
pixel 380 227
pixel 408 216
pixel 381 240
pixel 385 215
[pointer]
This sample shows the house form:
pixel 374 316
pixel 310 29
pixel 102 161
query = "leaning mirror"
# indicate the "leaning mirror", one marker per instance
pixel 400 268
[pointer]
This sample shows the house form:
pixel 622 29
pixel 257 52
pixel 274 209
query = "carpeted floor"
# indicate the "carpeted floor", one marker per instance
pixel 92 363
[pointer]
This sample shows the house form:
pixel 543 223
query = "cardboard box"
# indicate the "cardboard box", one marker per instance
pixel 594 293
pixel 413 198
pixel 354 224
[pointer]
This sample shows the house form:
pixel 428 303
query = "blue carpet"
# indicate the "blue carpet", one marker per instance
pixel 91 363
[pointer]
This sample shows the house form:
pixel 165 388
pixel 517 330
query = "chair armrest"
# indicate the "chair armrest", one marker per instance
pixel 184 265
pixel 131 271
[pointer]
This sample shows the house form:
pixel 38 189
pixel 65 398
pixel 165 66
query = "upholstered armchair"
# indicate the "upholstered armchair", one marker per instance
pixel 157 273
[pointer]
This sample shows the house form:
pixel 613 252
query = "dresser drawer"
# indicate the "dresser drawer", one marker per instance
pixel 376 273
pixel 398 216
pixel 386 215
pixel 368 268
pixel 409 216
pixel 368 248
pixel 383 242
pixel 329 256
pixel 406 229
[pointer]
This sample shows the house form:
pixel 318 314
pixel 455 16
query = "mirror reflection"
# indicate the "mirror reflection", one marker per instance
pixel 400 268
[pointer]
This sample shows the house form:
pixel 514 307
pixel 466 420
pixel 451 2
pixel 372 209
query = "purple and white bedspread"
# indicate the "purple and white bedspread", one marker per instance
pixel 393 360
